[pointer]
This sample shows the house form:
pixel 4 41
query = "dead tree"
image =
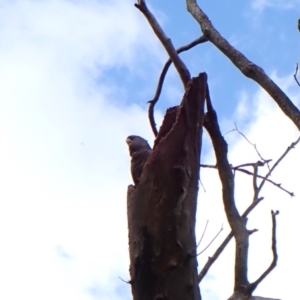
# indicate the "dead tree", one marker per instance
pixel 162 207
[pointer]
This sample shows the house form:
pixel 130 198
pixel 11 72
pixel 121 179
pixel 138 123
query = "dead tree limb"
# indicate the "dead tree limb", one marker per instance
pixel 255 202
pixel 162 76
pixel 242 170
pixel 247 67
pixel 295 75
pixel 162 208
pixel 236 222
pixel 166 42
pixel 292 146
pixel 278 185
pixel 203 233
pixel 273 264
pixel 220 249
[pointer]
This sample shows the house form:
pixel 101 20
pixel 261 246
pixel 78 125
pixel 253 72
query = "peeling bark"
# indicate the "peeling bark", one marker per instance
pixel 162 208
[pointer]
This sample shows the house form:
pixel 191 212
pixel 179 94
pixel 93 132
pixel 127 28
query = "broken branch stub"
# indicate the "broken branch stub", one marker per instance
pixel 162 208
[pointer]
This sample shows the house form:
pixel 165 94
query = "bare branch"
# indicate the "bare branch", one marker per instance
pixel 277 162
pixel 204 190
pixel 295 75
pixel 268 180
pixel 255 167
pixel 247 67
pixel 252 144
pixel 273 264
pixel 239 168
pixel 213 258
pixel 258 163
pixel 236 222
pixel 208 166
pixel 211 241
pixel 162 76
pixel 167 43
pixel 126 281
pixel 255 202
pixel 203 233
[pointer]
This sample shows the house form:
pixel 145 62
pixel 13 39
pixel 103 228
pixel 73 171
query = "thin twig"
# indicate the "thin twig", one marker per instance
pixel 203 187
pixel 254 181
pixel 236 222
pixel 258 163
pixel 213 258
pixel 277 162
pixel 220 249
pixel 202 234
pixel 128 282
pixel 210 241
pixel 239 168
pixel 278 185
pixel 162 76
pixel 295 75
pixel 252 144
pixel 208 166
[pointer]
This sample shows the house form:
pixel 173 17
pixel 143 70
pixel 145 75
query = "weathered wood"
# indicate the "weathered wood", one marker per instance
pixel 162 208
pixel 238 296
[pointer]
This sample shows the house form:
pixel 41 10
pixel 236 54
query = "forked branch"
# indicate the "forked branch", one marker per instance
pixel 256 201
pixel 240 168
pixel 162 76
pixel 252 144
pixel 292 146
pixel 295 75
pixel 255 284
pixel 167 43
pixel 236 222
pixel 247 67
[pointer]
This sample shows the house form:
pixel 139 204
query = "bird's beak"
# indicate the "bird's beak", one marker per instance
pixel 128 141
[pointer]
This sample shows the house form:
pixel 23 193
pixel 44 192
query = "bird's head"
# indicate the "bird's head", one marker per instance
pixel 137 143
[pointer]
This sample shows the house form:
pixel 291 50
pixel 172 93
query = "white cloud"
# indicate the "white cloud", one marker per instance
pixel 64 162
pixel 260 5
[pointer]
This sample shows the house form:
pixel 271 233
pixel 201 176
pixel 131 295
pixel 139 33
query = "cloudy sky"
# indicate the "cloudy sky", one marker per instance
pixel 75 76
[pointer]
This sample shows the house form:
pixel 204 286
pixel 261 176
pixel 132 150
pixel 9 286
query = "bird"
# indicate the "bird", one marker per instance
pixel 299 24
pixel 139 150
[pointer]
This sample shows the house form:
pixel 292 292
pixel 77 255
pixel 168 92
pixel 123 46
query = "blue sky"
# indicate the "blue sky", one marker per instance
pixel 75 77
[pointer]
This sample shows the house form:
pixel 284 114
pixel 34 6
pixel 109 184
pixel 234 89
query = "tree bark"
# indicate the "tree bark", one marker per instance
pixel 162 208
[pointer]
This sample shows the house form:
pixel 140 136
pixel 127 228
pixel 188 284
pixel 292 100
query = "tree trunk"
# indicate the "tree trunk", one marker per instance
pixel 162 208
